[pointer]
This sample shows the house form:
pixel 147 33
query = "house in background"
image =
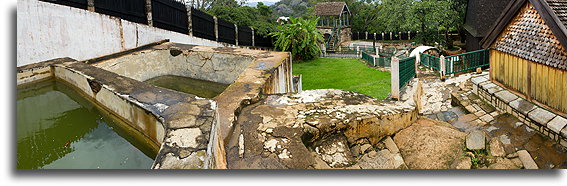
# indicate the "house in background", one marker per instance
pixel 528 51
pixel 334 22
pixel 480 17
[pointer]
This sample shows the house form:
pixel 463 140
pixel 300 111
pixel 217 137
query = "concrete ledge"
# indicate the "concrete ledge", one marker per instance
pixel 541 116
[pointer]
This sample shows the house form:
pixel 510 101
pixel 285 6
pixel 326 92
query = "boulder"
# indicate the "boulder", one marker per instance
pixel 430 144
pixel 383 159
pixel 389 142
pixel 503 163
pixel 462 163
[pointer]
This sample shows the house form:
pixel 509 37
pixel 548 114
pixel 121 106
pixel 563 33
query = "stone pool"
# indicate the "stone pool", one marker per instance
pixel 57 128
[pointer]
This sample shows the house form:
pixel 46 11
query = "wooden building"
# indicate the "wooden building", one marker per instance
pixel 528 51
pixel 334 22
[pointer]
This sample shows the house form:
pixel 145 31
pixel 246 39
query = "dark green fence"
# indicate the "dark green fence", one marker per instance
pixel 368 58
pixel 467 61
pixel 430 61
pixel 407 70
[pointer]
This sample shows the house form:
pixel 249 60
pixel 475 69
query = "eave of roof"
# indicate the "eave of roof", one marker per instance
pixel 510 12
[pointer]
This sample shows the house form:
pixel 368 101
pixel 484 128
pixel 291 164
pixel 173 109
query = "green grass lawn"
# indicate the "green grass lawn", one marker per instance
pixel 345 74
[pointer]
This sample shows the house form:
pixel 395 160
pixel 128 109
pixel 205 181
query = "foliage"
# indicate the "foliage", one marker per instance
pixel 345 74
pixel 260 18
pixel 301 37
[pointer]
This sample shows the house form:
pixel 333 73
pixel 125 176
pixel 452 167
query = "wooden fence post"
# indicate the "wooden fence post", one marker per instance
pixel 149 12
pixel 216 28
pixel 189 20
pixel 90 5
pixel 442 68
pixel 395 74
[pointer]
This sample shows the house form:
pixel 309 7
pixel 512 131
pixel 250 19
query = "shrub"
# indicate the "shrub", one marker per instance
pixel 301 37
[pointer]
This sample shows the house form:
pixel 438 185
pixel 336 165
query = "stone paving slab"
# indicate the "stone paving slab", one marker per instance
pixel 476 140
pixel 541 116
pixel 506 96
pixel 488 85
pixel 527 159
pixel 494 89
pixel 478 80
pixel 557 123
pixel 522 106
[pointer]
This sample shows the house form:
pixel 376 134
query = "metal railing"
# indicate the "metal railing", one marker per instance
pixel 430 61
pixel 407 71
pixel 467 61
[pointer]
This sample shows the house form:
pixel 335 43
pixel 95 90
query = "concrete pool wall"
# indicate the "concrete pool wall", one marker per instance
pixel 191 131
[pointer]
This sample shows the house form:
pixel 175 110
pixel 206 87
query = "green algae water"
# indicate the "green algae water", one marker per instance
pixel 59 129
pixel 201 88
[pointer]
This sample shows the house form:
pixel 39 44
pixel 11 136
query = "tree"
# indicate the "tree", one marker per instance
pixel 260 18
pixel 301 37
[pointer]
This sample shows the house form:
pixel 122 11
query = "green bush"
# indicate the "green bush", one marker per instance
pixel 301 37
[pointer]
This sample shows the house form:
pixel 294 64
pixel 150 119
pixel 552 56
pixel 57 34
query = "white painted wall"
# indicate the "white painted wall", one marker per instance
pixel 46 31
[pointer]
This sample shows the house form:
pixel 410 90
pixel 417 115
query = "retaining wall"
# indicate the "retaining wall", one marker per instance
pixel 548 123
pixel 47 31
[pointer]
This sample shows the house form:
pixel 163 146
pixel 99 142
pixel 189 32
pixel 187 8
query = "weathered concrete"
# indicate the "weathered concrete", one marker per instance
pixel 47 31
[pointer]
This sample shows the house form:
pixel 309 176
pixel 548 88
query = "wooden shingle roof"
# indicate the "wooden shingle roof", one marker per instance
pixel 330 8
pixel 533 30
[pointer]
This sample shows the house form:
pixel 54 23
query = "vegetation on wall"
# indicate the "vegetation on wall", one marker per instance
pixel 301 37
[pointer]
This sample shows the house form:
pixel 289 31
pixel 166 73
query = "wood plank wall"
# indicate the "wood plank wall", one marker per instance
pixel 543 83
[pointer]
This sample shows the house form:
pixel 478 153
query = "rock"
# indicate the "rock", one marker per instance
pixel 476 140
pixel 503 163
pixel 527 159
pixel 364 148
pixel 389 142
pixel 334 151
pixel 517 162
pixel 430 144
pixel 462 163
pixel 383 159
pixel 496 147
pixel 512 155
pixel 355 150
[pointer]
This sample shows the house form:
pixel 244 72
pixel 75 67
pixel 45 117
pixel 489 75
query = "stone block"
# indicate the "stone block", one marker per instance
pixel 476 140
pixel 475 89
pixel 541 116
pixel 478 80
pixel 556 124
pixel 506 96
pixel 564 132
pixel 522 106
pixel 487 118
pixel 488 86
pixel 527 159
pixel 494 89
